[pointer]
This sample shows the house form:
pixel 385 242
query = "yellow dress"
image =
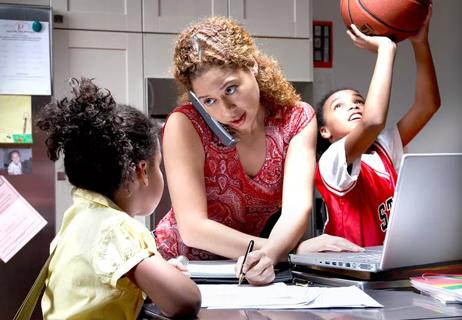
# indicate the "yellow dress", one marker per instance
pixel 96 246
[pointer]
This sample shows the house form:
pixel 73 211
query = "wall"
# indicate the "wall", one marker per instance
pixel 352 67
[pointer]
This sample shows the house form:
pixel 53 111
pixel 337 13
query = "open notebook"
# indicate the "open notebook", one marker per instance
pixel 222 271
pixel 213 269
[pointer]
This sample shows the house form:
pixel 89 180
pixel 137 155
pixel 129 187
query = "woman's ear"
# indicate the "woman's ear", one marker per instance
pixel 325 133
pixel 254 69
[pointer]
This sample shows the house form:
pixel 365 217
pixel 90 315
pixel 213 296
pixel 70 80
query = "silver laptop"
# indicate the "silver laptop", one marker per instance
pixel 425 225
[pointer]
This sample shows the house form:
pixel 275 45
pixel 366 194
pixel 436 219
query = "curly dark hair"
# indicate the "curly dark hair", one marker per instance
pixel 322 144
pixel 101 141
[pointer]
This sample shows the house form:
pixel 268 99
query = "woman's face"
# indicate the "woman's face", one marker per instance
pixel 231 96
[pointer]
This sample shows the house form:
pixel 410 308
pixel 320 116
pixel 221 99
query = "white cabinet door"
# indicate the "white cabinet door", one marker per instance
pixel 34 2
pixel 172 16
pixel 113 59
pixel 110 15
pixel 295 56
pixel 274 18
pixel 158 55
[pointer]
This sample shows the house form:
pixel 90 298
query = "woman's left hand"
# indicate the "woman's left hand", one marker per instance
pixel 179 265
pixel 258 268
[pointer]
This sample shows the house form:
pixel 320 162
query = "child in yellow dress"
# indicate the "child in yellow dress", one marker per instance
pixel 104 261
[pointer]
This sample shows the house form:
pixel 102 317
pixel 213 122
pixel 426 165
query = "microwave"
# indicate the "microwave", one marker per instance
pixel 162 97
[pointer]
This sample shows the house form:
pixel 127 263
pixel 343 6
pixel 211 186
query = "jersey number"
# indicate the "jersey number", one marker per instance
pixel 383 209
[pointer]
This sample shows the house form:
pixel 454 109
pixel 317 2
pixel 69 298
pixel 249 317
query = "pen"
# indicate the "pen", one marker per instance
pixel 249 249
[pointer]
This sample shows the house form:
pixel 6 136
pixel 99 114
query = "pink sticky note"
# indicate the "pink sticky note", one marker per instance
pixel 19 221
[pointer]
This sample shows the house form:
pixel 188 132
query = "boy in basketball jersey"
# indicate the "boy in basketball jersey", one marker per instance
pixel 356 175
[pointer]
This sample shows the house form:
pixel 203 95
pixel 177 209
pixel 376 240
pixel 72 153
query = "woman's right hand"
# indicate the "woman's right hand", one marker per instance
pixel 327 242
pixel 258 268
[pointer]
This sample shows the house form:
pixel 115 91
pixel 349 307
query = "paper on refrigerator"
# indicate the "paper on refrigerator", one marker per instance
pixel 19 221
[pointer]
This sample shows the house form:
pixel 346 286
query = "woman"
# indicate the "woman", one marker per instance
pixel 222 196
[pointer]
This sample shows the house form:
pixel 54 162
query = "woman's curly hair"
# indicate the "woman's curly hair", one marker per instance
pixel 101 141
pixel 220 41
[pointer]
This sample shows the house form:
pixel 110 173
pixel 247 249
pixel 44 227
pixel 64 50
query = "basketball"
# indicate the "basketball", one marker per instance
pixel 396 19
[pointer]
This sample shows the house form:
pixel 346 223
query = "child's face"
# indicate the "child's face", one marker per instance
pixel 15 157
pixel 342 111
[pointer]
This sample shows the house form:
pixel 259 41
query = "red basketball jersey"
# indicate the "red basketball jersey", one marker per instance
pixel 359 210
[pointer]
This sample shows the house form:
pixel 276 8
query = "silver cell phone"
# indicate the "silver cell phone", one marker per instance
pixel 225 137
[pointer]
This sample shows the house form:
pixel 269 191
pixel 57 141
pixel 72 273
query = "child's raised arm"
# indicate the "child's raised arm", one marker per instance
pixel 427 96
pixel 378 97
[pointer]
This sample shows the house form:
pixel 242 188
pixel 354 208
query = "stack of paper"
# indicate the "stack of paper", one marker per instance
pixel 282 296
pixel 446 288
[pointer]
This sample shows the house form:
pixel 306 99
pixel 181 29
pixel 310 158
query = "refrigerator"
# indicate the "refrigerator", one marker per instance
pixel 36 182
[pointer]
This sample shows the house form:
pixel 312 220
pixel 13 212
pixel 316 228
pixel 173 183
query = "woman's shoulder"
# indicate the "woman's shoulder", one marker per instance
pixel 303 107
pixel 293 118
pixel 182 117
pixel 299 108
pixel 187 109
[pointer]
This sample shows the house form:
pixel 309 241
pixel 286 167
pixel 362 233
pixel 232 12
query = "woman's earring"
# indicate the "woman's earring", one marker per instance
pixel 255 69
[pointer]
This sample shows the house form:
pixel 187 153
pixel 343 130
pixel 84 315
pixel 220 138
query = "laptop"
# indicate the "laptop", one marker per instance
pixel 425 225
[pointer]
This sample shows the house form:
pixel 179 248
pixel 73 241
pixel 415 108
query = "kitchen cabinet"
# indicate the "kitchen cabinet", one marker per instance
pixel 274 18
pixel 109 15
pixel 269 18
pixel 114 59
pixel 295 56
pixel 33 2
pixel 172 16
pixel 158 55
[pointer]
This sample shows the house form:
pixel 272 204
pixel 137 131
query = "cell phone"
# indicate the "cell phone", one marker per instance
pixel 225 137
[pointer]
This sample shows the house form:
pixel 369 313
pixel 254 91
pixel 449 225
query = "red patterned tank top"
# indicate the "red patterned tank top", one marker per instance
pixel 233 198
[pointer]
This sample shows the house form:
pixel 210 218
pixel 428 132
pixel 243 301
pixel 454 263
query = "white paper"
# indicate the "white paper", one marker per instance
pixel 24 58
pixel 344 297
pixel 282 296
pixel 212 269
pixel 19 221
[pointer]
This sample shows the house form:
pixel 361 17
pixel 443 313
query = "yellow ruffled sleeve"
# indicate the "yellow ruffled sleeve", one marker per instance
pixel 122 245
